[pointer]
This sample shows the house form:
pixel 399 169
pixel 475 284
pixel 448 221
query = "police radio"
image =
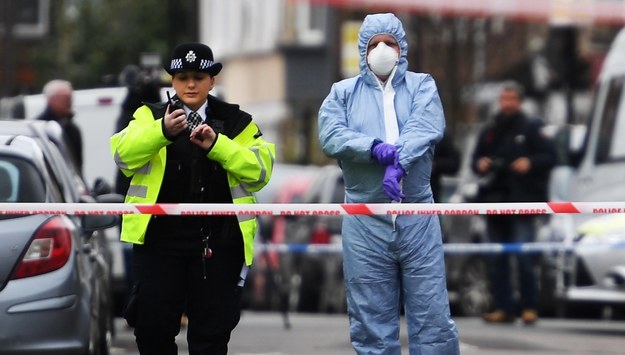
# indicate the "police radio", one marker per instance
pixel 174 104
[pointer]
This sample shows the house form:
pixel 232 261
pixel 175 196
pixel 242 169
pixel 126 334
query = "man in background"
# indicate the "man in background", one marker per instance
pixel 514 160
pixel 58 95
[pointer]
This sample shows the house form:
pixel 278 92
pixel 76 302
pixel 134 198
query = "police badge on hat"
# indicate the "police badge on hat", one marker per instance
pixel 193 56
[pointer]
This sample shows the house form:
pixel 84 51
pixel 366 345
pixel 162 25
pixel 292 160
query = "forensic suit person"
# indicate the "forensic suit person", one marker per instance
pixel 194 148
pixel 382 126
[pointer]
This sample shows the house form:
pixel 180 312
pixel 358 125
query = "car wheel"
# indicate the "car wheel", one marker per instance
pixel 474 288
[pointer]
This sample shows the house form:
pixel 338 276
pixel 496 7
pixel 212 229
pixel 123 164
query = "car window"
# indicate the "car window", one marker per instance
pixel 63 175
pixel 20 182
pixel 609 145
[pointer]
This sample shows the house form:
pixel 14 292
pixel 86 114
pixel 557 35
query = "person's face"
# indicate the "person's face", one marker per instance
pixel 61 103
pixel 509 102
pixel 387 39
pixel 192 87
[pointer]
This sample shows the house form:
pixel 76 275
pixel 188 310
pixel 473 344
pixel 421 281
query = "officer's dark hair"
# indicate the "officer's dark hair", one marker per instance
pixel 511 85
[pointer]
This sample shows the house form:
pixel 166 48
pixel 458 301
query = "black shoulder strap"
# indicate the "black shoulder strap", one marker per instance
pixel 226 115
pixel 158 109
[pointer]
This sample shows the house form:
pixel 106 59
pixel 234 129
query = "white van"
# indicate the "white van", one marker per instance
pixel 598 175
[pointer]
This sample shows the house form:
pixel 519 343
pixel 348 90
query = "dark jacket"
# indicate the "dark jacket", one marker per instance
pixel 72 135
pixel 446 162
pixel 192 178
pixel 145 92
pixel 504 141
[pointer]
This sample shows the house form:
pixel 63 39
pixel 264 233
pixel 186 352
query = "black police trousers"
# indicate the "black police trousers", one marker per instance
pixel 167 284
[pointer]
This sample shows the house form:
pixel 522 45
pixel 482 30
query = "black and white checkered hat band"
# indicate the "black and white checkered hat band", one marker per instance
pixel 205 64
pixel 176 64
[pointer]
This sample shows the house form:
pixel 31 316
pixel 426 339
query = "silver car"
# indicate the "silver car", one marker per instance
pixel 54 276
pixel 592 273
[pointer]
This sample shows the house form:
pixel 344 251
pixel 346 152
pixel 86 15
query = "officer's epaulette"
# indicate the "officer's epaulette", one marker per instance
pixel 158 108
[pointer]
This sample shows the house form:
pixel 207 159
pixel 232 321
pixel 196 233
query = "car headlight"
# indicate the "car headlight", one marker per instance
pixel 607 238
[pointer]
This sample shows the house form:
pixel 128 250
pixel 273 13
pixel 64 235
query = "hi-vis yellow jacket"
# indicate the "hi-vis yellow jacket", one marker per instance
pixel 140 152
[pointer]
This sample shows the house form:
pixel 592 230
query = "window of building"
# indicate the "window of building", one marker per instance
pixel 29 17
pixel 311 23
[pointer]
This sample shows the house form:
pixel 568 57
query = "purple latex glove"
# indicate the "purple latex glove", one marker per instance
pixel 390 183
pixel 384 153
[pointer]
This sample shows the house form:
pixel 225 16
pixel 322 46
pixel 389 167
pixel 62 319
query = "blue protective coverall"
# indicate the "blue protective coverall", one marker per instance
pixel 390 259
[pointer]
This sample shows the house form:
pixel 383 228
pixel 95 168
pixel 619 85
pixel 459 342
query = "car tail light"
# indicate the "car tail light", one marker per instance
pixel 48 251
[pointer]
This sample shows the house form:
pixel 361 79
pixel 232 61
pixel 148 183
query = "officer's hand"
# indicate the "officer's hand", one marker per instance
pixel 175 122
pixel 484 164
pixel 203 136
pixel 521 165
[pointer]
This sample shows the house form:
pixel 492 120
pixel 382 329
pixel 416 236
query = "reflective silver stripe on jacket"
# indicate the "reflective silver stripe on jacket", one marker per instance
pixel 137 191
pixel 245 217
pixel 263 170
pixel 118 160
pixel 145 169
pixel 239 192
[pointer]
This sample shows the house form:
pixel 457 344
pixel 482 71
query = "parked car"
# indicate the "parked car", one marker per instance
pixel 55 293
pixel 592 272
pixel 266 289
pixel 295 280
pixel 319 279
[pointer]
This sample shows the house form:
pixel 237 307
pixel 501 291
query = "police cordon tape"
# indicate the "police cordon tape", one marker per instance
pixel 327 209
pixel 276 209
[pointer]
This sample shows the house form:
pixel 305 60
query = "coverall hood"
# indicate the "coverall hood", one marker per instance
pixel 378 24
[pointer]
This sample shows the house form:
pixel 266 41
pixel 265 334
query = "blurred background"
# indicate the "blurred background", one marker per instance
pixel 280 58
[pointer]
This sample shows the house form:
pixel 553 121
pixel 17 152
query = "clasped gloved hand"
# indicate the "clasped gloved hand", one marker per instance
pixel 384 153
pixel 391 182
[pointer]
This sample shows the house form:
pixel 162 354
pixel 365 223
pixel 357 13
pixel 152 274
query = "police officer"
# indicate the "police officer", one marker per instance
pixel 193 148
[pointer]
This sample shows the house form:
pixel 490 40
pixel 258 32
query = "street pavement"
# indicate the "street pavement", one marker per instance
pixel 308 334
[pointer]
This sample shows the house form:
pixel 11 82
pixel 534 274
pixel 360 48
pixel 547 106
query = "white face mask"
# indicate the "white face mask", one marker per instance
pixel 382 59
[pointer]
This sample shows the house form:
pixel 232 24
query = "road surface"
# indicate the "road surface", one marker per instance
pixel 265 334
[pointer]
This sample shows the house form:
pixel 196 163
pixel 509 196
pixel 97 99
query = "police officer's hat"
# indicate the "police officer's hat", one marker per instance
pixel 193 56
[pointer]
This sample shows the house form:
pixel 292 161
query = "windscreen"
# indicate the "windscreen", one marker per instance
pixel 20 181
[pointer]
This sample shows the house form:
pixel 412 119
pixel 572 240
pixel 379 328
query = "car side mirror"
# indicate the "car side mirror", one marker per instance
pixel 92 223
pixel 101 187
pixel 110 198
